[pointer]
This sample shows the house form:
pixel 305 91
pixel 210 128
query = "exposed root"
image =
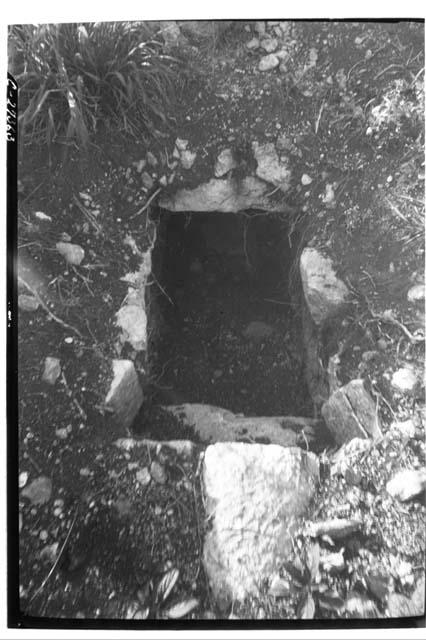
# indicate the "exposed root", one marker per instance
pixel 46 308
pixel 147 203
pixel 52 570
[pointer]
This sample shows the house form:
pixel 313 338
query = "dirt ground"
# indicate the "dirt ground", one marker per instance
pixel 121 537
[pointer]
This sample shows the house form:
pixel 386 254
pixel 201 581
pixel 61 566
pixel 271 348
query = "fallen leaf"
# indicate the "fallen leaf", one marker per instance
pixel 306 608
pixel 166 585
pixel 331 601
pixel 279 588
pixel 182 609
pixel 314 560
pixel 296 572
pixel 359 606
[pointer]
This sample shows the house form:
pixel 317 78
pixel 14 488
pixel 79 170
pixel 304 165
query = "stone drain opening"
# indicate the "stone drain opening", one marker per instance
pixel 223 327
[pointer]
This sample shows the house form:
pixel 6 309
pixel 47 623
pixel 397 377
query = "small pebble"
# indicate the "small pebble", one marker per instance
pixel 23 479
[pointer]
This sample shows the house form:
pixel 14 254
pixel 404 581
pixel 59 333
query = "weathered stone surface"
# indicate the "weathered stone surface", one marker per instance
pixel 204 30
pixel 269 62
pixel 345 458
pixel 269 44
pixel 213 424
pixel 257 331
pixel 228 195
pixel 39 491
pixel 404 379
pixel 416 293
pixel 171 34
pixel 73 253
pixel 184 448
pixel 324 292
pixel 254 494
pixel 125 395
pixel 132 318
pixel 407 484
pixel 350 412
pixel 224 163
pixel 27 303
pixel 270 167
pixel 336 528
pixel 187 158
pixel 30 274
pixel 132 321
pixel 253 44
pixel 52 370
pixel 407 428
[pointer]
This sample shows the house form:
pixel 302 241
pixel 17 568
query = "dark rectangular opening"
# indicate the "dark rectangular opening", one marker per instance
pixel 225 330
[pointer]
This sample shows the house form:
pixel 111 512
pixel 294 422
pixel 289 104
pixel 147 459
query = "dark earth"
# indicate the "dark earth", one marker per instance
pixel 115 537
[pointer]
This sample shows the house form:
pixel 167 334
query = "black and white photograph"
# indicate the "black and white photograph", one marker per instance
pixel 215 389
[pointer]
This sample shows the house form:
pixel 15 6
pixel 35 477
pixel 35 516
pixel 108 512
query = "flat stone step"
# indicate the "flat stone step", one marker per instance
pixel 213 424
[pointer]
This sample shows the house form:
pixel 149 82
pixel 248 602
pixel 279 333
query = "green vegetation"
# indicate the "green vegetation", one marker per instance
pixel 74 77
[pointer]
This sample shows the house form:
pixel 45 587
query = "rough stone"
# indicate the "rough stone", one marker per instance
pixel 257 331
pixel 171 34
pixel 404 379
pixel 125 394
pixel 187 158
pixel 254 495
pixel 270 167
pixel 52 370
pixel 336 528
pixel 147 180
pixel 407 484
pixel 416 293
pixel 73 253
pixel 350 412
pixel 345 458
pixel 324 292
pixel 253 44
pixel 269 44
pixel 269 62
pixel 132 321
pixel 260 27
pixel 406 428
pixel 39 491
pixel 228 195
pixel 214 424
pixel 224 163
pixel 28 303
pixel 131 318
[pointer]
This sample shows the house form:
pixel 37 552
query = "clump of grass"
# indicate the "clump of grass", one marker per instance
pixel 73 77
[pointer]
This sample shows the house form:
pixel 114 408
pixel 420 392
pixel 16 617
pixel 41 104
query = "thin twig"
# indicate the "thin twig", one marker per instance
pixel 415 78
pixel 147 203
pixel 319 116
pixel 161 289
pixel 88 215
pixel 290 304
pixel 46 308
pixel 41 587
pixel 391 66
